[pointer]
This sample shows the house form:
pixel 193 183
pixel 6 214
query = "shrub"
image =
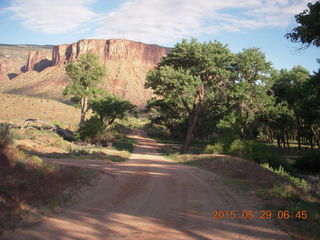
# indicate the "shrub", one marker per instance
pixel 309 161
pixel 215 148
pixel 90 129
pixel 255 151
pixel 96 132
pixel 300 183
pixel 237 148
pixel 5 136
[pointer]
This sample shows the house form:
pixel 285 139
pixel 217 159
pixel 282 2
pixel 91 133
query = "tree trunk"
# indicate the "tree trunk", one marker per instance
pixel 287 139
pixel 316 134
pixel 270 135
pixel 311 142
pixel 278 141
pixel 299 140
pixel 192 123
pixel 84 109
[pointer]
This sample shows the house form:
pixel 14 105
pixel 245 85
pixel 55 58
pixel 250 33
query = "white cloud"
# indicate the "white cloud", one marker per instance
pixel 165 21
pixel 52 16
pixel 155 21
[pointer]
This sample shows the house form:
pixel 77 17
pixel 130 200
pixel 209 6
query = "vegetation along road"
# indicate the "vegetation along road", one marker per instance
pixel 151 197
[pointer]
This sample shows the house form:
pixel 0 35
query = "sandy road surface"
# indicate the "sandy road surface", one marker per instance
pixel 150 197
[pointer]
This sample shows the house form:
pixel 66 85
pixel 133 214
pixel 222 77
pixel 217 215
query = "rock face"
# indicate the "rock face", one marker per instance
pixel 127 64
pixel 110 50
pixel 5 68
pixel 14 58
pixel 38 61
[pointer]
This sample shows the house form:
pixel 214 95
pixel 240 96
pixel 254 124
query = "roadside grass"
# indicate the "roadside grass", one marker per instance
pixel 279 189
pixel 46 143
pixel 24 180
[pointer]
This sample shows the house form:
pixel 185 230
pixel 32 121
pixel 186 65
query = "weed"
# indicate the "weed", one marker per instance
pixel 37 160
pixel 300 183
pixel 215 148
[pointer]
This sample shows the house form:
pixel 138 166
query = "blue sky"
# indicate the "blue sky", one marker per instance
pixel 238 23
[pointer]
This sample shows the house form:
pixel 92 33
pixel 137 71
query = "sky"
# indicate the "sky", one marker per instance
pixel 238 23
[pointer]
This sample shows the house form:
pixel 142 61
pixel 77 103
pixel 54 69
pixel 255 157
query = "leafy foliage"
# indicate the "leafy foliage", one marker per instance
pixel 111 107
pixel 308 31
pixel 214 148
pixel 186 79
pixel 91 129
pixel 106 109
pixel 85 75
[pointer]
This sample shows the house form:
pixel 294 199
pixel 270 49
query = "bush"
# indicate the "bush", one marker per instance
pixel 237 148
pixel 5 136
pixel 255 151
pixel 96 132
pixel 90 129
pixel 300 183
pixel 215 148
pixel 309 161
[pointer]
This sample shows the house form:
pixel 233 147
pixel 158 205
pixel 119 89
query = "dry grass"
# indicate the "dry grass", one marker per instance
pixel 24 181
pixel 16 109
pixel 48 144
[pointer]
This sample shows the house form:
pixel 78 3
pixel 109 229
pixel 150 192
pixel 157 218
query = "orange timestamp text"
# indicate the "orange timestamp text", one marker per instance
pixel 261 214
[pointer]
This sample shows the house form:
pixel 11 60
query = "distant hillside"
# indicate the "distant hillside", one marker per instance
pixel 13 58
pixel 16 109
pixel 127 63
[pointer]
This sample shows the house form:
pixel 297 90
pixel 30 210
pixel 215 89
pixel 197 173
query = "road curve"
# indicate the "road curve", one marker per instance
pixel 150 197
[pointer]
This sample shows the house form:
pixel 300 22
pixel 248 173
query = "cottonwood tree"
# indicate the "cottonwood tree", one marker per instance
pixel 250 92
pixel 190 75
pixel 85 76
pixel 308 31
pixel 289 88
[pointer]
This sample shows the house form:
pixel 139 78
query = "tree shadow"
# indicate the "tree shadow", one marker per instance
pixel 150 197
pixel 12 75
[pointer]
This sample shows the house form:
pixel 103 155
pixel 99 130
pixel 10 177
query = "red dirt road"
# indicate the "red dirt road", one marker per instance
pixel 150 197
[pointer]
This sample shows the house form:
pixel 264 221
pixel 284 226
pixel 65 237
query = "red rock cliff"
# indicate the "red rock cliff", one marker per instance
pixel 127 64
pixel 37 61
pixel 5 68
pixel 114 49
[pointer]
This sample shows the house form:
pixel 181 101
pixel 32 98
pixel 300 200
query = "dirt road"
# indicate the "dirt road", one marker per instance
pixel 150 197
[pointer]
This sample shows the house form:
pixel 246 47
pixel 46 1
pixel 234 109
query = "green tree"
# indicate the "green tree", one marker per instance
pixel 191 74
pixel 110 108
pixel 308 32
pixel 309 107
pixel 289 88
pixel 251 91
pixel 84 75
pixel 169 113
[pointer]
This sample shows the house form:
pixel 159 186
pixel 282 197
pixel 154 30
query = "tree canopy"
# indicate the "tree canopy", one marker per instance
pixel 111 107
pixel 203 90
pixel 84 75
pixel 190 75
pixel 308 30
